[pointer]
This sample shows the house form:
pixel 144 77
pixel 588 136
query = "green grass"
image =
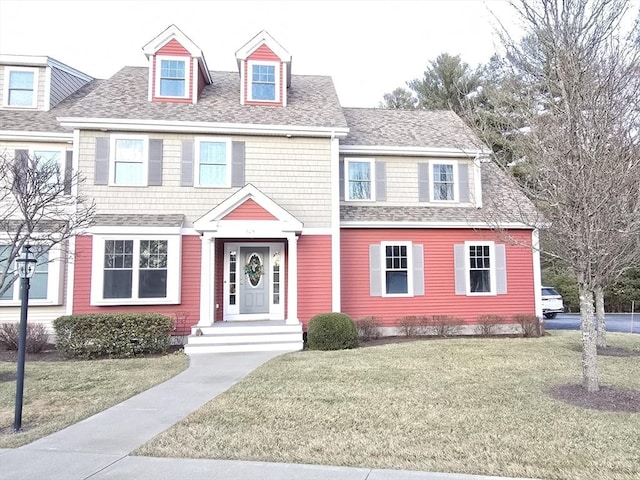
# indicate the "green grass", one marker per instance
pixel 60 393
pixel 461 405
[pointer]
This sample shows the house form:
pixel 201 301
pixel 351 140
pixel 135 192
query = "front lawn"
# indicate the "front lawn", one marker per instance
pixel 473 405
pixel 58 393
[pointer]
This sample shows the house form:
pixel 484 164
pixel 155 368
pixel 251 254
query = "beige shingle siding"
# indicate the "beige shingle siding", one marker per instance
pixel 294 172
pixel 402 179
pixel 503 202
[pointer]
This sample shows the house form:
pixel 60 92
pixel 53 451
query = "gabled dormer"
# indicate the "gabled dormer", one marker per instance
pixel 36 82
pixel 177 69
pixel 265 71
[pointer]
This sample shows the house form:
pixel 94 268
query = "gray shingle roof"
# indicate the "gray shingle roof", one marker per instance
pixel 503 201
pixel 39 121
pixel 135 220
pixel 311 101
pixel 408 128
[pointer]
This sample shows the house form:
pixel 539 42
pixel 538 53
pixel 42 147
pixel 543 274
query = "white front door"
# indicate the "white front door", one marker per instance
pixel 253 284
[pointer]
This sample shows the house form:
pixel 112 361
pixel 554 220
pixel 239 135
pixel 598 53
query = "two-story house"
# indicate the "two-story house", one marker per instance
pixel 249 201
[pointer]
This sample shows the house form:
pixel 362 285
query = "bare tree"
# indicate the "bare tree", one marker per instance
pixel 39 205
pixel 574 85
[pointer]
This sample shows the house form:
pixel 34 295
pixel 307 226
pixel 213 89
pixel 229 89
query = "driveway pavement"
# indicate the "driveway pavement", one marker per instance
pixel 614 322
pixel 98 447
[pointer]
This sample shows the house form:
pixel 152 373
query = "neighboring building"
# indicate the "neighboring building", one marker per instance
pixel 33 92
pixel 226 197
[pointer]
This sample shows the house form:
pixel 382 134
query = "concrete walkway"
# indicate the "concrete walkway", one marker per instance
pixel 98 447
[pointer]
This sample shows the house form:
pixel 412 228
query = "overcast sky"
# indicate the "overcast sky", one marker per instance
pixel 369 47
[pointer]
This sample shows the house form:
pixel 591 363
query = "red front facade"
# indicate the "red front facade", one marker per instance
pixel 439 290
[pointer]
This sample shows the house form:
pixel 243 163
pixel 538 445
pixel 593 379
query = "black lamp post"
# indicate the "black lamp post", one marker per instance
pixel 26 266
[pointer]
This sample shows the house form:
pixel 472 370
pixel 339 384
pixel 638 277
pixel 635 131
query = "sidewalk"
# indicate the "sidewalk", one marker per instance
pixel 97 448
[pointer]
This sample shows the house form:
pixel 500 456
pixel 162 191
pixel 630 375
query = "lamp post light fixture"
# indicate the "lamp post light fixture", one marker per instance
pixel 26 266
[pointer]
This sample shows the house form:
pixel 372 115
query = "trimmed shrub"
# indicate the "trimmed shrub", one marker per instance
pixel 368 328
pixel 412 326
pixel 445 325
pixel 531 326
pixel 488 324
pixel 37 337
pixel 331 331
pixel 117 335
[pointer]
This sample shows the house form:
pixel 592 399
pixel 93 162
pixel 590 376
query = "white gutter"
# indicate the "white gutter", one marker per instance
pixel 123 124
pixel 411 151
pixel 36 136
pixel 410 224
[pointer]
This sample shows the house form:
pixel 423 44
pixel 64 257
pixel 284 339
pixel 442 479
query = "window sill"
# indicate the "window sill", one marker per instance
pixel 32 303
pixel 129 302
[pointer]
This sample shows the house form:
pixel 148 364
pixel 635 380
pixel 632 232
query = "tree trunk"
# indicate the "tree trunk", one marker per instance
pixel 589 345
pixel 602 332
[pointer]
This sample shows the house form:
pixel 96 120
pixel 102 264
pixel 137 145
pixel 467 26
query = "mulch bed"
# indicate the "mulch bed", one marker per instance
pixel 609 399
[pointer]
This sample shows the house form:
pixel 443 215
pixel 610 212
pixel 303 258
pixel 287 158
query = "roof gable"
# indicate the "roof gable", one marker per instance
pixel 249 210
pixel 261 39
pixel 235 212
pixel 171 33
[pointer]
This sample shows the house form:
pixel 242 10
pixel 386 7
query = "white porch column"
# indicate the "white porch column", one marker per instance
pixel 292 273
pixel 207 269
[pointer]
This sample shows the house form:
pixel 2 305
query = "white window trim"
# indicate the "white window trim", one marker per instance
pixel 55 282
pixel 7 74
pixel 383 268
pixel 250 65
pixel 492 269
pixel 372 179
pixel 174 249
pixel 432 186
pixel 145 160
pixel 187 74
pixel 196 166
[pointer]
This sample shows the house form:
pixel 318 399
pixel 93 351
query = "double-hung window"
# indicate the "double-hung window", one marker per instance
pixel 396 269
pixel 140 270
pixel 50 162
pixel 172 77
pixel 43 286
pixel 480 268
pixel 20 87
pixel 213 162
pixel 129 160
pixel 264 84
pixel 359 179
pixel 444 185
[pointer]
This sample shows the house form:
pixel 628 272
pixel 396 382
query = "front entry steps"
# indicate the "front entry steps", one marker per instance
pixel 261 336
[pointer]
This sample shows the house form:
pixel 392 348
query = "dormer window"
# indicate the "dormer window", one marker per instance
pixel 263 82
pixel 20 87
pixel 172 77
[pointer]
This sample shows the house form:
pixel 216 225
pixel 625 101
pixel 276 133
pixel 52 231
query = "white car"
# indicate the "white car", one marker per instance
pixel 551 302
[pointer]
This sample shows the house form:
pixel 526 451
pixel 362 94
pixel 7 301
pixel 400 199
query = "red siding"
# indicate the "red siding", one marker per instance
pixel 264 53
pixel 174 48
pixel 439 298
pixel 249 210
pixel 314 276
pixel 190 285
pixel 201 80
